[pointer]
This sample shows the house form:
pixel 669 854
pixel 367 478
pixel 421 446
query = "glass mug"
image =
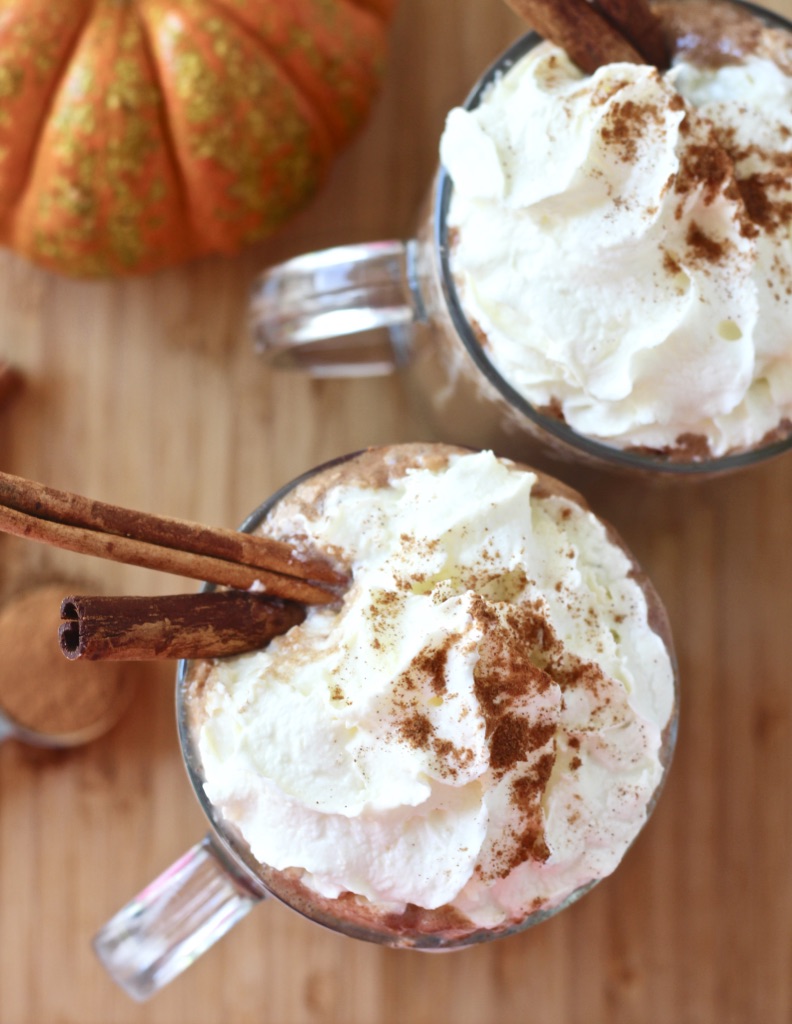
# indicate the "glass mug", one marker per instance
pixel 183 912
pixel 318 313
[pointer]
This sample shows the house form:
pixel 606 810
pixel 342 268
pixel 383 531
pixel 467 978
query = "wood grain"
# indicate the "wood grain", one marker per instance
pixel 146 393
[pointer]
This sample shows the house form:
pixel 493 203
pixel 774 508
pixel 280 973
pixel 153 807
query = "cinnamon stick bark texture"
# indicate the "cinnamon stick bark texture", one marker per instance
pixel 204 625
pixel 588 38
pixel 245 548
pixel 226 557
pixel 639 24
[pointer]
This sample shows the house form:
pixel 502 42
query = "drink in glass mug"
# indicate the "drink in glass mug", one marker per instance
pixel 460 747
pixel 603 266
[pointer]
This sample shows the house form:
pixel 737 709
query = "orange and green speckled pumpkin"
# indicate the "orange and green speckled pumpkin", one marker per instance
pixel 135 134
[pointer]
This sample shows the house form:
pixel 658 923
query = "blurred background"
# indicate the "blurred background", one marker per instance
pixel 146 392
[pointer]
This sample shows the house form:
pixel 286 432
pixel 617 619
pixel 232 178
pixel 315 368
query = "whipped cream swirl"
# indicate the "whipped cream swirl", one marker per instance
pixel 622 242
pixel 479 725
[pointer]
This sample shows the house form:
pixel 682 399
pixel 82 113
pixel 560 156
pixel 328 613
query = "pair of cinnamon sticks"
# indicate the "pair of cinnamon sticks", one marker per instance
pixel 598 32
pixel 271 582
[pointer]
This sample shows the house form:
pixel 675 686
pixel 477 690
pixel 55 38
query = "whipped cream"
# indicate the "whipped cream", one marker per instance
pixel 479 725
pixel 622 241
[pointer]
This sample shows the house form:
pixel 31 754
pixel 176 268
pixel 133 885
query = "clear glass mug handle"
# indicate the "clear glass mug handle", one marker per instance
pixel 323 312
pixel 175 919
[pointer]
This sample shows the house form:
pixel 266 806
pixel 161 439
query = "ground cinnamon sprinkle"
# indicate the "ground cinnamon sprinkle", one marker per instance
pixel 570 671
pixel 757 193
pixel 714 165
pixel 515 738
pixel 432 663
pixel 670 265
pixel 508 742
pixel 520 659
pixel 416 729
pixel 625 124
pixel 519 645
pixel 707 165
pixel 413 725
pixel 703 247
pixel 526 795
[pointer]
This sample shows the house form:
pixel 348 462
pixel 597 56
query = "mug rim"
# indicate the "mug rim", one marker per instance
pixel 569 439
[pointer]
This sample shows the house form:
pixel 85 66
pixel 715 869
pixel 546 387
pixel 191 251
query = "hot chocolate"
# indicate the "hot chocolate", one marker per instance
pixel 620 240
pixel 475 735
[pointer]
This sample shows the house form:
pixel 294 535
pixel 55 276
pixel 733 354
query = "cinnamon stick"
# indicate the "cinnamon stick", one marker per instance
pixel 10 382
pixel 32 510
pixel 204 625
pixel 638 23
pixel 588 38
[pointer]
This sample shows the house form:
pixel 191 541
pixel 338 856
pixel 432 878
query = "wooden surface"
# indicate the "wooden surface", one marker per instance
pixel 147 393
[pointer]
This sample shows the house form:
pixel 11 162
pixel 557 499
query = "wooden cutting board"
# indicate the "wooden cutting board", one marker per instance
pixel 147 393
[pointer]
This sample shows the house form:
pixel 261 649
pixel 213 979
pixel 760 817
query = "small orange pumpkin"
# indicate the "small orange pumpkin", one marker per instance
pixel 135 134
